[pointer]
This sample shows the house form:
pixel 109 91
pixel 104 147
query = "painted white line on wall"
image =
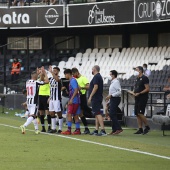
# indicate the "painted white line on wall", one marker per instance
pixel 96 143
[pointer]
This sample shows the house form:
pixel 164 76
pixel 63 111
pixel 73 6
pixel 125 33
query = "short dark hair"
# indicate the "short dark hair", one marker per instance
pixel 140 68
pixel 114 72
pixel 145 65
pixel 39 66
pixel 57 68
pixel 74 70
pixel 34 72
pixel 67 71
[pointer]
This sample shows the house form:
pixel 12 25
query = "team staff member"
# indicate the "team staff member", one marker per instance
pixel 43 95
pixel 115 98
pixel 16 69
pixel 96 98
pixel 141 90
pixel 83 87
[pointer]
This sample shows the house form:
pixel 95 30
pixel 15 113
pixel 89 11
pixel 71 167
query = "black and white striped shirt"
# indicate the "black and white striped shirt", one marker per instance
pixel 55 89
pixel 32 87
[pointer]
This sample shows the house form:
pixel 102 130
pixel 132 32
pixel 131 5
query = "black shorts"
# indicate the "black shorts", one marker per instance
pixel 140 105
pixel 83 101
pixel 96 106
pixel 43 105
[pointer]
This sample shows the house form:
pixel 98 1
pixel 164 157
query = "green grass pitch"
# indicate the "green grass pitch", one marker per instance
pixel 43 151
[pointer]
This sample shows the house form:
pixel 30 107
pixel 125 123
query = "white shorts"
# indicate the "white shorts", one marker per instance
pixel 55 106
pixel 32 109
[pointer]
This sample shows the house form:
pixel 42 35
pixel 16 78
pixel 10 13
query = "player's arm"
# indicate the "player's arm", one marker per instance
pixel 24 104
pixel 46 80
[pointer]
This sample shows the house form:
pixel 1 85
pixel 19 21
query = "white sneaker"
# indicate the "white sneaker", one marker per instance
pixel 22 127
pixel 37 132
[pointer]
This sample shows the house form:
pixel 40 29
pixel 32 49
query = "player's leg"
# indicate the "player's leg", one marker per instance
pixel 76 114
pixel 42 112
pixel 69 120
pixel 58 110
pixel 33 111
pixel 42 115
pixel 81 115
pixel 64 102
pixel 53 117
pixel 48 119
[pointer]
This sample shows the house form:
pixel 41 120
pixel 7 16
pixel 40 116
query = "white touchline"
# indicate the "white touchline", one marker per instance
pixel 96 143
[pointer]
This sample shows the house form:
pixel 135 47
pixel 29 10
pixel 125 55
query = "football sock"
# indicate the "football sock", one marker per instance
pixel 49 121
pixel 60 123
pixel 69 123
pixel 42 120
pixel 35 124
pixel 77 124
pixel 57 120
pixel 53 123
pixel 83 119
pixel 29 120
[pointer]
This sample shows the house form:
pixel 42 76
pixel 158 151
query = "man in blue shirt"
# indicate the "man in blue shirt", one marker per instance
pixel 73 104
pixel 95 98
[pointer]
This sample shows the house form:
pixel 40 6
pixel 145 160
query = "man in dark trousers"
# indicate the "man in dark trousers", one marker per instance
pixel 141 90
pixel 114 97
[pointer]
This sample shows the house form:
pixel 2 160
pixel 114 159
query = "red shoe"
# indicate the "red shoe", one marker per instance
pixel 66 133
pixel 117 132
pixel 76 132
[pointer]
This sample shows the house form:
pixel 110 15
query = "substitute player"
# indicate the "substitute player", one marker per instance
pixel 32 87
pixel 73 104
pixel 83 87
pixel 55 100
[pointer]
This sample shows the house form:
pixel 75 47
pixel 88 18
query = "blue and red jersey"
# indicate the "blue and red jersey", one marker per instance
pixel 72 86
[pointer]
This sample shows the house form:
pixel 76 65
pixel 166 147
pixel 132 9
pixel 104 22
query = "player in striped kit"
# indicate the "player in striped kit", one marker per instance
pixel 32 87
pixel 55 100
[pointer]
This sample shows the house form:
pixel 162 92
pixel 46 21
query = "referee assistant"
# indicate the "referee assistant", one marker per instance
pixel 44 93
pixel 141 90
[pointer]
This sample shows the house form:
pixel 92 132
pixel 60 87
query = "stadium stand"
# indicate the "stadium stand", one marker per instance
pixel 123 60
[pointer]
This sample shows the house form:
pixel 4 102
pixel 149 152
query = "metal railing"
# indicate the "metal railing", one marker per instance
pixel 128 100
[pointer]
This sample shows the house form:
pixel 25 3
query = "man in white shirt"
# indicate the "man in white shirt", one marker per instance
pixel 146 72
pixel 115 98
